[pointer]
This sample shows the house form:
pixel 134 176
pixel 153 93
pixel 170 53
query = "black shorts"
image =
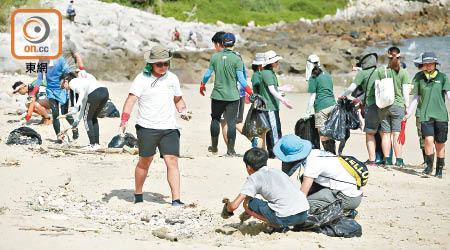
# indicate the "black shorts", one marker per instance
pixel 240 115
pixel 437 129
pixel 167 141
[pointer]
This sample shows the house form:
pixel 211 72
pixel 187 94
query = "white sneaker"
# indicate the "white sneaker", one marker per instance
pixel 89 147
pixel 96 146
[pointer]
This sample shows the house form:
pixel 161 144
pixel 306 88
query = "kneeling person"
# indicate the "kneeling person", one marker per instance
pixel 285 205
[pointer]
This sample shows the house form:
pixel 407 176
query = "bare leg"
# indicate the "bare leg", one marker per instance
pixel 429 145
pixel 440 150
pixel 239 127
pixel 140 173
pixel 224 132
pixel 371 145
pixel 386 143
pixel 397 146
pixel 251 213
pixel 173 175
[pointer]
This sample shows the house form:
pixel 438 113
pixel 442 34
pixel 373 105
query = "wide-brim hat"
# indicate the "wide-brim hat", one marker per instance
pixel 292 148
pixel 429 57
pixel 271 57
pixel 158 54
pixel 259 59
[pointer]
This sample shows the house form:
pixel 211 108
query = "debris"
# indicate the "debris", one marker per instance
pixel 67 181
pixel 3 209
pixel 131 151
pixel 227 230
pixel 24 136
pixel 165 236
pixel 81 151
pixel 10 162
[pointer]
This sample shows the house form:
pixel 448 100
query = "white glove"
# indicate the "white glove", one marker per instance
pixel 82 73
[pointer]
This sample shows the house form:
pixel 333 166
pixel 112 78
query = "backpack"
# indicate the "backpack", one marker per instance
pixel 355 168
pixel 384 91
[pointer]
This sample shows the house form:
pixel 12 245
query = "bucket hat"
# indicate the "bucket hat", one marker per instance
pixel 158 54
pixel 259 59
pixel 292 148
pixel 418 60
pixel 429 57
pixel 271 57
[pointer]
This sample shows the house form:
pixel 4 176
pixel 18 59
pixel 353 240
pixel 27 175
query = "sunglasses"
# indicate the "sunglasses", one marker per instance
pixel 159 65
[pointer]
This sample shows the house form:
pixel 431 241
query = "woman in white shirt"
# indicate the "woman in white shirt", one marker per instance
pixel 93 96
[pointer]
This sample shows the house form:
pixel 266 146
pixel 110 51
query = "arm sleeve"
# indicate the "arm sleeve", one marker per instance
pixel 413 104
pixel 207 75
pixel 447 93
pixel 406 94
pixel 275 93
pixel 241 78
pixel 312 98
pixel 350 89
pixel 39 80
pixel 83 107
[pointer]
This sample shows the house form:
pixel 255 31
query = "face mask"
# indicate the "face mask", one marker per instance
pixel 429 75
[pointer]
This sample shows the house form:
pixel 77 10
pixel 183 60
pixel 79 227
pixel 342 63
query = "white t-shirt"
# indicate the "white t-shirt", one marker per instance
pixel 282 195
pixel 319 167
pixel 155 104
pixel 83 87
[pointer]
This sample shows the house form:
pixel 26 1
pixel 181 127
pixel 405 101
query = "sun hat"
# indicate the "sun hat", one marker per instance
pixel 271 57
pixel 259 59
pixel 228 39
pixel 292 148
pixel 158 54
pixel 429 57
pixel 418 60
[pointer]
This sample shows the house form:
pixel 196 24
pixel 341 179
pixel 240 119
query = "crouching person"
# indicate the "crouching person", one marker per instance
pixel 285 205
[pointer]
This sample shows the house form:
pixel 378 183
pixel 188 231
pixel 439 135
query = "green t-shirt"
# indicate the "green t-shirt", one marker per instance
pixel 368 85
pixel 269 78
pixel 431 97
pixel 256 82
pixel 322 85
pixel 399 79
pixel 415 81
pixel 225 64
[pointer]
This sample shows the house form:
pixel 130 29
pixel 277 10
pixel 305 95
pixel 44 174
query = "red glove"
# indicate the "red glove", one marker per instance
pixel 202 88
pixel 248 90
pixel 125 118
pixel 35 90
pixel 401 136
pixel 27 117
pixel 81 67
pixel 247 101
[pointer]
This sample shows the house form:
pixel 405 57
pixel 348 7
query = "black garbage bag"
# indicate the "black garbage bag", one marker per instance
pixel 109 110
pixel 118 141
pixel 256 123
pixel 24 136
pixel 330 220
pixel 306 129
pixel 342 227
pixel 353 121
pixel 336 125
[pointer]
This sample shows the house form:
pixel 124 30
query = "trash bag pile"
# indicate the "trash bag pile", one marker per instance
pixel 109 110
pixel 330 220
pixel 343 117
pixel 24 136
pixel 256 123
pixel 305 129
pixel 120 141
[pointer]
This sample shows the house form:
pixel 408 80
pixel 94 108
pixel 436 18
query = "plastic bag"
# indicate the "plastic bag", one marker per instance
pixel 336 125
pixel 109 110
pixel 384 91
pixel 305 129
pixel 118 141
pixel 24 136
pixel 353 121
pixel 331 221
pixel 256 123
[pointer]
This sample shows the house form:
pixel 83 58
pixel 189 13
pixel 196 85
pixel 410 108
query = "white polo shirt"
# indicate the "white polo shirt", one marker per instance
pixel 155 104
pixel 327 171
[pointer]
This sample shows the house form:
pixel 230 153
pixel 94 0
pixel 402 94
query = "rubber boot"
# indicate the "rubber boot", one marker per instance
pixel 399 162
pixel 330 146
pixel 214 143
pixel 423 155
pixel 230 147
pixel 388 161
pixel 429 159
pixel 440 163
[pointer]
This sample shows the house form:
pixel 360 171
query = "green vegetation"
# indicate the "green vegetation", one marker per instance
pixel 240 11
pixel 6 8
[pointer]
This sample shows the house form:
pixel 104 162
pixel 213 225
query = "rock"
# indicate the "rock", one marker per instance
pixel 251 24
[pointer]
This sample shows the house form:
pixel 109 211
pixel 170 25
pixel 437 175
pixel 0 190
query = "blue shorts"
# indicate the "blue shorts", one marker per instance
pixel 262 208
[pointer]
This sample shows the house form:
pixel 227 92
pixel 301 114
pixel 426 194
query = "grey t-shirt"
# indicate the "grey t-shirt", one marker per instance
pixel 68 52
pixel 273 185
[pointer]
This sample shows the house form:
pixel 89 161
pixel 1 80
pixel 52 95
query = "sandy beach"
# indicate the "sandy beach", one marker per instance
pixel 54 200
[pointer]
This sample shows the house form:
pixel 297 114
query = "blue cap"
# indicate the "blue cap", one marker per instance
pixel 292 148
pixel 228 39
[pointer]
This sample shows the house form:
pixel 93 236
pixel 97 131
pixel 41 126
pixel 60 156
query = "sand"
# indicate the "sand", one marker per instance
pixel 399 209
